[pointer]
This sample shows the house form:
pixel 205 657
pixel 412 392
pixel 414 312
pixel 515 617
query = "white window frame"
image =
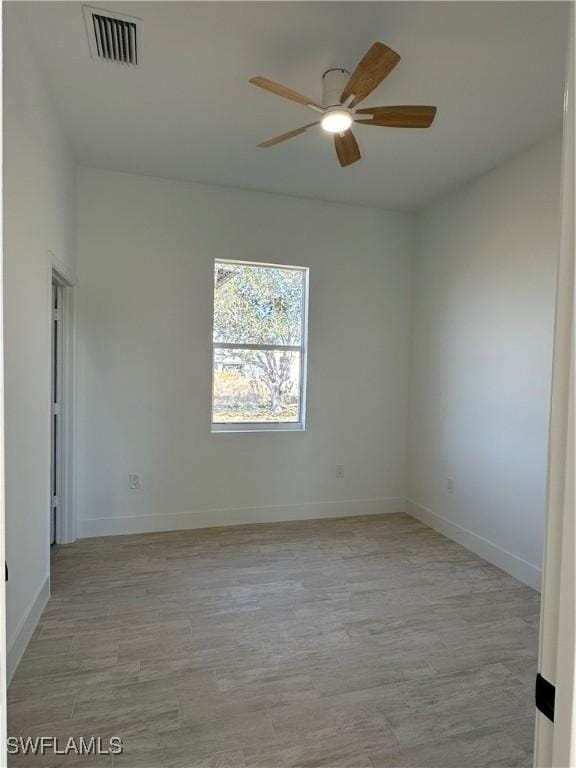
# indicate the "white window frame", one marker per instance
pixel 267 426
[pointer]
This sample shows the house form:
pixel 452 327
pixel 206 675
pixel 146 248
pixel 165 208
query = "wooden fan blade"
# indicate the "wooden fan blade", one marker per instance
pixel 346 148
pixel 286 136
pixel 282 90
pixel 374 67
pixel 398 117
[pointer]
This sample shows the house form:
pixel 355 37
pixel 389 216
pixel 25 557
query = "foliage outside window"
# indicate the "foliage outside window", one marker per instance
pixel 259 357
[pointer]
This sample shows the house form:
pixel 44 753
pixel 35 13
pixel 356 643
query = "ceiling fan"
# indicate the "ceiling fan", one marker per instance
pixel 341 94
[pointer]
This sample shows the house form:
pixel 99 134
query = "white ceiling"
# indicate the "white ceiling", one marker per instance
pixel 495 71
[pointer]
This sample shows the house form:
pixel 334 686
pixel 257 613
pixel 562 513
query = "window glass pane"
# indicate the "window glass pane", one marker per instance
pixel 253 386
pixel 257 305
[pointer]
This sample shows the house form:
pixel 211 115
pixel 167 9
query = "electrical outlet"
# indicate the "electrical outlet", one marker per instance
pixel 134 481
pixel 450 485
pixel 339 470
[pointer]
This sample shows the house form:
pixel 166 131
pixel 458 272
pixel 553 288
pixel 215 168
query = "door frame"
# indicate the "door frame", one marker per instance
pixel 66 517
pixel 555 742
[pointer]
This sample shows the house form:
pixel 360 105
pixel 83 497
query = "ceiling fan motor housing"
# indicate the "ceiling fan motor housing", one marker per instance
pixel 333 82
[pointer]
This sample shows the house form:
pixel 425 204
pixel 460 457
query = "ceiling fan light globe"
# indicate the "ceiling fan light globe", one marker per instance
pixel 336 121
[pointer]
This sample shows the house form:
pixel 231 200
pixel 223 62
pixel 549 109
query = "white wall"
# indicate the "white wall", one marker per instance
pixel 146 249
pixel 39 183
pixel 483 300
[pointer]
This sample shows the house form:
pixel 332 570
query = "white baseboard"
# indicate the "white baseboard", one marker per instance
pixel 114 526
pixel 520 569
pixel 16 644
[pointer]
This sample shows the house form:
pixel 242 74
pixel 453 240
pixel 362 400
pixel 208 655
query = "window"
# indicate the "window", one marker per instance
pixel 259 340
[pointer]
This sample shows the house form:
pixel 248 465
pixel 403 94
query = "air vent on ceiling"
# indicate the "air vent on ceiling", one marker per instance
pixel 112 36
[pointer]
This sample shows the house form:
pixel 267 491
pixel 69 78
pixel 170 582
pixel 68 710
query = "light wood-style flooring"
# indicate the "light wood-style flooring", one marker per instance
pixel 358 643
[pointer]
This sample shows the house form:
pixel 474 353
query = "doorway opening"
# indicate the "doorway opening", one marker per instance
pixel 61 401
pixel 56 409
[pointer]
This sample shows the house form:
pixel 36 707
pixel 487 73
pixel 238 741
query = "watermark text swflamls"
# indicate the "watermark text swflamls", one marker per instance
pixel 53 745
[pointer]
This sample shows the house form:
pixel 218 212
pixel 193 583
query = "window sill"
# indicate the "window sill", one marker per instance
pixel 267 427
